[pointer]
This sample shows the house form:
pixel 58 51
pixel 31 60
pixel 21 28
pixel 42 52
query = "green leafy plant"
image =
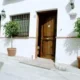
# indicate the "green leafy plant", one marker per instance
pixel 77 27
pixel 11 30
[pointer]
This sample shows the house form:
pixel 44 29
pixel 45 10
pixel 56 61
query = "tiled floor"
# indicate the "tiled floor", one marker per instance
pixel 12 69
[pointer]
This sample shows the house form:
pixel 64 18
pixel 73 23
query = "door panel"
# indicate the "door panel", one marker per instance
pixel 48 28
pixel 47 49
pixel 47 46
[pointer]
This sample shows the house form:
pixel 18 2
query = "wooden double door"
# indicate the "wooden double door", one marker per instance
pixel 47 37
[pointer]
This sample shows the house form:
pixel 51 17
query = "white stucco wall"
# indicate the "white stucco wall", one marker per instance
pixel 25 47
pixel 65 27
pixel 67 49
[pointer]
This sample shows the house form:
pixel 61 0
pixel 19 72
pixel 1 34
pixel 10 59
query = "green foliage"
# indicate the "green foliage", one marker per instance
pixel 77 27
pixel 11 29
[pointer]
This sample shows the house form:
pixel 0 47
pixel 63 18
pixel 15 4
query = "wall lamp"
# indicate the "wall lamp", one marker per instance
pixel 3 15
pixel 72 4
pixel 72 13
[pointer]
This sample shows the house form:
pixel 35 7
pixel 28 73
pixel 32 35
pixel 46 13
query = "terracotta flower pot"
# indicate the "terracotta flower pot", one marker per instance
pixel 78 58
pixel 11 51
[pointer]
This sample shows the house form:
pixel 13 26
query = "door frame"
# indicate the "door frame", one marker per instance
pixel 37 33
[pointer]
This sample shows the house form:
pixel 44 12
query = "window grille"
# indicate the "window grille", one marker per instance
pixel 23 21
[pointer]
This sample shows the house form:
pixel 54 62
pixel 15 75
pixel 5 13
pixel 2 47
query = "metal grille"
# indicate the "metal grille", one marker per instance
pixel 23 21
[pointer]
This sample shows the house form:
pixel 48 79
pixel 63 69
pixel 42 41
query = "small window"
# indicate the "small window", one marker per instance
pixel 23 21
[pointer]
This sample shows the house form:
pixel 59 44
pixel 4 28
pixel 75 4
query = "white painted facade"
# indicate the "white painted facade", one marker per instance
pixel 66 48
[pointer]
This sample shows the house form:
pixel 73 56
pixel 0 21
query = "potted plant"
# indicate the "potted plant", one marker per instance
pixel 11 30
pixel 77 29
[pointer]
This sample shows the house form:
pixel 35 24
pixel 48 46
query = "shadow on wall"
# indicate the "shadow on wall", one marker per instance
pixel 72 46
pixel 68 8
pixel 5 2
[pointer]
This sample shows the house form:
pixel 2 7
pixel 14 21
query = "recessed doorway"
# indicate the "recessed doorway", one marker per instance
pixel 47 28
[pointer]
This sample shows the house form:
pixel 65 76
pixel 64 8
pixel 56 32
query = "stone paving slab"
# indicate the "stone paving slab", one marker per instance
pixel 14 70
pixel 40 62
pixel 19 72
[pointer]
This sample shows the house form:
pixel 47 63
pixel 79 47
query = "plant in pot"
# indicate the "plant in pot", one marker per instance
pixel 11 30
pixel 77 29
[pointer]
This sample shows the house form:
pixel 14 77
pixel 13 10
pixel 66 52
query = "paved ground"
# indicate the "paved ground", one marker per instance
pixel 13 69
